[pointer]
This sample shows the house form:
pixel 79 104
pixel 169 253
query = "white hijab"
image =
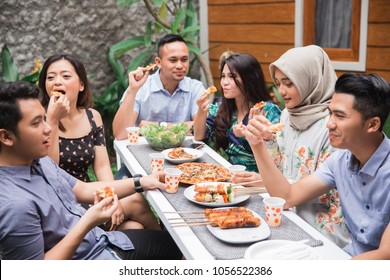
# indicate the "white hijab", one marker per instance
pixel 310 70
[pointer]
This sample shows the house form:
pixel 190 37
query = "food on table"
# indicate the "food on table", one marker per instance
pixel 220 193
pixel 275 127
pixel 161 138
pixel 228 218
pixel 198 172
pixel 177 153
pixel 210 90
pixel 151 66
pixel 104 192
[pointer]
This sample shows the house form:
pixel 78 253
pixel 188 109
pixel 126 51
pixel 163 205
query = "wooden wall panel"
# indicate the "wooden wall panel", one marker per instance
pixel 254 33
pixel 263 52
pixel 265 29
pixel 253 13
pixel 378 34
pixel 225 2
pixel 379 11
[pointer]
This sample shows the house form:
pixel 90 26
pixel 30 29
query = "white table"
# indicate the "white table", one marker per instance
pixel 184 237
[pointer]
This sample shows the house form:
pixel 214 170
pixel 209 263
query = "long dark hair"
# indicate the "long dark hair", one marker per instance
pixel 252 87
pixel 84 99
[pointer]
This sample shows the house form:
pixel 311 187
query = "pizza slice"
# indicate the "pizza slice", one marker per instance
pixel 259 105
pixel 274 128
pixel 210 90
pixel 151 66
pixel 104 192
pixel 56 93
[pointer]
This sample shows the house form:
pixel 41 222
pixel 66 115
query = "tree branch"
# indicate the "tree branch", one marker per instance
pixel 149 6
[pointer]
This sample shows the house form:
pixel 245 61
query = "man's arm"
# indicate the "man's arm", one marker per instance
pixel 95 215
pixel 382 253
pixel 277 185
pixel 125 116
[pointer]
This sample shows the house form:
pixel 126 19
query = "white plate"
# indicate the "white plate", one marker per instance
pixel 189 193
pixel 264 250
pixel 242 235
pixel 196 153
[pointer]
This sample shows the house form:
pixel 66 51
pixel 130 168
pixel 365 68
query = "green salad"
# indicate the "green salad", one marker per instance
pixel 161 138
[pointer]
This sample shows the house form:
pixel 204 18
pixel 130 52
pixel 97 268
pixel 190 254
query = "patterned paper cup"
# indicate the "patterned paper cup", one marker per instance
pixel 172 176
pixel 273 210
pixel 157 161
pixel 133 134
pixel 234 169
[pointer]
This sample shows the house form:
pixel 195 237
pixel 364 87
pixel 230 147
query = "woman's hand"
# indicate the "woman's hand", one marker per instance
pixel 58 108
pixel 256 130
pixel 246 176
pixel 203 103
pixel 239 129
pixel 117 218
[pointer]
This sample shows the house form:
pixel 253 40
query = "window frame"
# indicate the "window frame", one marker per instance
pixel 352 59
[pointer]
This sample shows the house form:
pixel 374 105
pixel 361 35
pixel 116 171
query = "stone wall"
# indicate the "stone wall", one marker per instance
pixel 36 29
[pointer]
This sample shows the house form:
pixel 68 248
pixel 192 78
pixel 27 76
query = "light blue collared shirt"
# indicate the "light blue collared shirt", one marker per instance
pixel 364 194
pixel 154 103
pixel 38 210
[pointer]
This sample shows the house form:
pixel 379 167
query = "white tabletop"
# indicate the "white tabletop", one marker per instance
pixel 184 237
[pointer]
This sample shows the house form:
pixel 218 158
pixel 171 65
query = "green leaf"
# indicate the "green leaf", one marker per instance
pixel 189 29
pixel 10 72
pixel 159 2
pixel 386 127
pixel 148 35
pixel 131 43
pixel 180 16
pixel 139 60
pixel 194 49
pixel 32 78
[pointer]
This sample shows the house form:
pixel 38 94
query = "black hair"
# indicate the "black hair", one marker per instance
pixel 10 93
pixel 371 92
pixel 169 38
pixel 84 99
pixel 252 87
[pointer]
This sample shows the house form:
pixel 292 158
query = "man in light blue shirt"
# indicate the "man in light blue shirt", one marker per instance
pixel 360 170
pixel 167 96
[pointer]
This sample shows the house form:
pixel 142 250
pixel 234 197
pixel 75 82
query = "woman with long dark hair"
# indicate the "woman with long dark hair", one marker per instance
pixel 222 122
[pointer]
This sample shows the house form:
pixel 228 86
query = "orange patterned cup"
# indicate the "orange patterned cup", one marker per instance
pixel 273 210
pixel 157 161
pixel 133 134
pixel 172 176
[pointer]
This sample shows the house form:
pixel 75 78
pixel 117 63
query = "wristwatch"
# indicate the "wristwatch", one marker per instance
pixel 137 184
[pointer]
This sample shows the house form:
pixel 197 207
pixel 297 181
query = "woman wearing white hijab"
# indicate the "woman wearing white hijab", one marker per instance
pixel 305 79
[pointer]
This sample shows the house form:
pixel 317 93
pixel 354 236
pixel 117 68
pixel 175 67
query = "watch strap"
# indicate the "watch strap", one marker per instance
pixel 137 184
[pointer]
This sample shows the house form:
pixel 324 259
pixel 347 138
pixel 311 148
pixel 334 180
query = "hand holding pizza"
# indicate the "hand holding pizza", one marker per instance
pixel 58 107
pixel 100 212
pixel 137 78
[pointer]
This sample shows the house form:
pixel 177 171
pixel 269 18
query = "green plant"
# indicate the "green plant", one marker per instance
pixel 386 128
pixel 10 72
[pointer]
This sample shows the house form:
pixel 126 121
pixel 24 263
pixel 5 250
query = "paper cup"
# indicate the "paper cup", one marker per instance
pixel 172 176
pixel 133 134
pixel 273 210
pixel 157 161
pixel 234 169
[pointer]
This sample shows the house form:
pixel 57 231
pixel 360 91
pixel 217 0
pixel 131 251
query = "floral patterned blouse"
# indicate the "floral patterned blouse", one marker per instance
pixel 299 153
pixel 77 154
pixel 239 150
